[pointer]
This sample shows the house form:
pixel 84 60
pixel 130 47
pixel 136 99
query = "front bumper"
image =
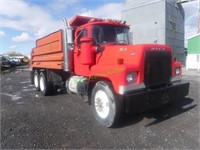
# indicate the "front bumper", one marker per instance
pixel 149 99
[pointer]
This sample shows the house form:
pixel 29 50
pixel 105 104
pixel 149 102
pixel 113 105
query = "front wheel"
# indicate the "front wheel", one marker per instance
pixel 106 105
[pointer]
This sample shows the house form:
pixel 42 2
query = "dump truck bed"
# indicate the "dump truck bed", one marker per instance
pixel 48 52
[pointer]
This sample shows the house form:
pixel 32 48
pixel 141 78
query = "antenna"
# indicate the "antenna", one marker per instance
pixel 199 17
pixel 156 33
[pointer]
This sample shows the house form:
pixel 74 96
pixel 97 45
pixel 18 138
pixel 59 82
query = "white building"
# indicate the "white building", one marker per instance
pixel 193 57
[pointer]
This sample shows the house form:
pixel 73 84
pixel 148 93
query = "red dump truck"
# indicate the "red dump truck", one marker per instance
pixel 94 58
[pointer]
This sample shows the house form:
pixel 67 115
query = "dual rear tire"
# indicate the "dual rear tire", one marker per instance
pixel 36 80
pixel 41 83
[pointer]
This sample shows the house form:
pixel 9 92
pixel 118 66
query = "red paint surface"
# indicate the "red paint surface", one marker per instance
pixel 113 63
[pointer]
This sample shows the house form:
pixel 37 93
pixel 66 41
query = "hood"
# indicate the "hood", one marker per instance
pixel 128 54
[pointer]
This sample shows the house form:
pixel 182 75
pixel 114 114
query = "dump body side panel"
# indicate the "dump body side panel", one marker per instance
pixel 48 52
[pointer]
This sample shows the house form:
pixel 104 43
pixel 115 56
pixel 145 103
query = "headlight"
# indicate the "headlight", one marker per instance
pixel 131 77
pixel 177 71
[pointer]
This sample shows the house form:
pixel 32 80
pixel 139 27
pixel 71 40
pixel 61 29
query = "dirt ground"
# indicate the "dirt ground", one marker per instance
pixel 32 121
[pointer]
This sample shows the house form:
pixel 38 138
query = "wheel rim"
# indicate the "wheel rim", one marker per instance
pixel 102 104
pixel 36 81
pixel 42 83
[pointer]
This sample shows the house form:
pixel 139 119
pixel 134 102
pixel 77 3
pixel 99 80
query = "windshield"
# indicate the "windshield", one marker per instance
pixel 105 34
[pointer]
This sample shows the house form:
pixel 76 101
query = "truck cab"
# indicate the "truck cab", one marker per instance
pixel 100 63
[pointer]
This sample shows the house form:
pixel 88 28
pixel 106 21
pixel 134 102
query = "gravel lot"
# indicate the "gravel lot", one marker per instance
pixel 32 121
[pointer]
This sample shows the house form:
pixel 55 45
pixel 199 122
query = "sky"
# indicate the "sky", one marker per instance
pixel 24 21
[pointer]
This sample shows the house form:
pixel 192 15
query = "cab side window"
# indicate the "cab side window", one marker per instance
pixel 81 34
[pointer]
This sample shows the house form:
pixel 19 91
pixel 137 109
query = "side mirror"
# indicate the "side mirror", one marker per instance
pixel 131 37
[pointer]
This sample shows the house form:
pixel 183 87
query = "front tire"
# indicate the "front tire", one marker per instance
pixel 106 105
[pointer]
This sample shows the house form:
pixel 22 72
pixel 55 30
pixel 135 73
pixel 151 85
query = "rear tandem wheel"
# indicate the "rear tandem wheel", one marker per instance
pixel 45 86
pixel 36 80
